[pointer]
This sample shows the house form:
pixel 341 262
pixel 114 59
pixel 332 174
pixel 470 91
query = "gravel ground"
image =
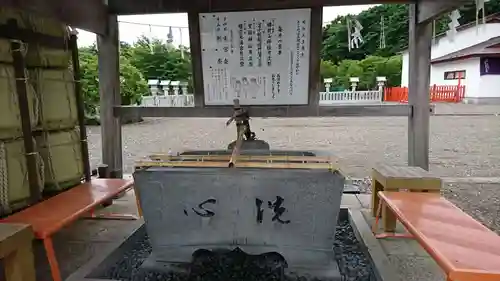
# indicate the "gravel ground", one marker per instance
pixel 125 263
pixel 481 201
pixel 460 146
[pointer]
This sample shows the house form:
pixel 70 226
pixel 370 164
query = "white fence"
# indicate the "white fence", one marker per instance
pixel 169 101
pixel 325 98
pixel 359 97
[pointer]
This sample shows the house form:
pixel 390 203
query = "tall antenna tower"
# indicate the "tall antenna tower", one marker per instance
pixel 382 44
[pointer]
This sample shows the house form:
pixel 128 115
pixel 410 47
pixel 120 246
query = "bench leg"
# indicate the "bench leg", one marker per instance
pixel 377 217
pixel 51 256
pixel 389 219
pixel 376 187
pixel 138 203
pixel 385 234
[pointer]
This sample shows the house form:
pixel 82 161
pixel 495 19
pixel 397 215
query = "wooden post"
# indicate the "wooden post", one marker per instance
pixel 80 106
pixel 109 90
pixel 457 93
pixel 418 90
pixel 433 93
pixel 196 56
pixel 315 44
pixel 17 49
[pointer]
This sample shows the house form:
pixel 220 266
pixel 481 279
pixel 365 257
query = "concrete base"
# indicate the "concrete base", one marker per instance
pixel 325 272
pixel 490 100
pixel 329 272
pixel 153 264
pixel 251 145
pixel 381 265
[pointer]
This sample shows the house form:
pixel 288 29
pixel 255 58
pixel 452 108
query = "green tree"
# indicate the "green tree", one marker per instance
pixel 156 59
pixel 89 80
pixel 327 69
pixel 335 39
pixel 345 70
pixel 132 83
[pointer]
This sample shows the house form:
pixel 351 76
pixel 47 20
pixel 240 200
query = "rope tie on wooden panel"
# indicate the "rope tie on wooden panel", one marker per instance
pixel 45 138
pixel 68 82
pixel 37 22
pixel 4 181
pixel 23 47
pixel 5 207
pixel 4 176
pixel 7 74
pixel 36 114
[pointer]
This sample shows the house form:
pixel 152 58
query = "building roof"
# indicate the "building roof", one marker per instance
pixel 493 18
pixel 490 47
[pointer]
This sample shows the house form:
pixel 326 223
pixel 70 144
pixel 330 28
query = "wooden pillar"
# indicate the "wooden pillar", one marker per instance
pixel 420 38
pixel 196 62
pixel 316 36
pixel 109 91
pixel 84 148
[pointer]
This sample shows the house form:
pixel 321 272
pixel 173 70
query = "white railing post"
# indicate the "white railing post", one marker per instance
pixel 381 80
pixel 351 97
pixel 184 88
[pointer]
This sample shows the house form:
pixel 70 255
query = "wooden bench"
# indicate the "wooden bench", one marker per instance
pixel 16 252
pixel 464 248
pixel 396 178
pixel 51 215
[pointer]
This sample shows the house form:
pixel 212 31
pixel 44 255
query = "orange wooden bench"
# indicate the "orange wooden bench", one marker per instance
pixel 51 215
pixel 464 248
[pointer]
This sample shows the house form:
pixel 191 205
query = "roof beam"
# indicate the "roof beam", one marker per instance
pixel 90 15
pixel 430 9
pixel 129 7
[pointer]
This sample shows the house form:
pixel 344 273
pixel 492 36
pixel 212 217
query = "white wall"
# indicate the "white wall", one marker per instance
pixel 463 39
pixel 405 71
pixel 489 86
pixel 472 79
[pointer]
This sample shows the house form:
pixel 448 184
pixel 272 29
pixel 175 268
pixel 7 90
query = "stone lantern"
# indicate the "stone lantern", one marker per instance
pixel 381 80
pixel 328 82
pixel 154 86
pixel 165 86
pixel 184 88
pixel 354 83
pixel 175 87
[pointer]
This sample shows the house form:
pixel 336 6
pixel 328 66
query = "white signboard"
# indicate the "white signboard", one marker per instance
pixel 260 57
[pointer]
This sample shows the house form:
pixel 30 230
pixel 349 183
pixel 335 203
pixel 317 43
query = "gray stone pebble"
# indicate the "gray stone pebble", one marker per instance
pixel 125 263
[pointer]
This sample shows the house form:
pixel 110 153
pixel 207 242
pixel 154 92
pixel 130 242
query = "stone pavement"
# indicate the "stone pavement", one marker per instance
pixel 79 243
pixel 408 260
pixel 464 149
pixel 460 109
pixel 84 240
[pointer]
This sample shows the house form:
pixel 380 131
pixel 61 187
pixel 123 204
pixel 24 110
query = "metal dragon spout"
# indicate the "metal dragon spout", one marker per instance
pixel 243 132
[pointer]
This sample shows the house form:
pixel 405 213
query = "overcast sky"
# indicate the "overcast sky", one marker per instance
pixel 130 32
